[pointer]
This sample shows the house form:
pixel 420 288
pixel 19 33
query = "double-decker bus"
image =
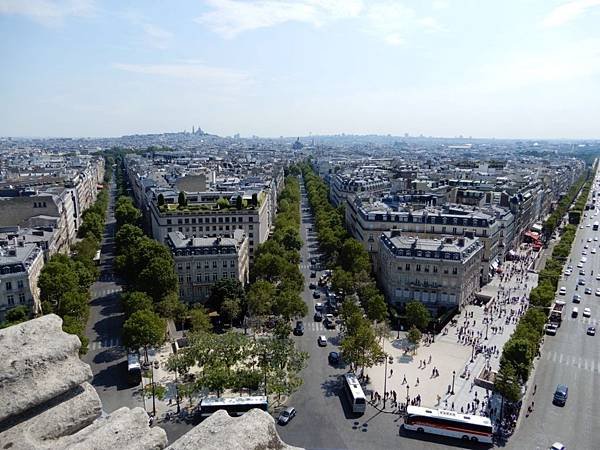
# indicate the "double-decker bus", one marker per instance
pixel 354 393
pixel 234 406
pixel 448 423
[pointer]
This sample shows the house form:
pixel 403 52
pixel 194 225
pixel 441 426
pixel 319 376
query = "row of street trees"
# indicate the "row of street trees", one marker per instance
pixel 65 281
pixel 521 348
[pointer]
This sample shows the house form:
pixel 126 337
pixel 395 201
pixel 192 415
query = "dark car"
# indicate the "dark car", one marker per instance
pixel 316 294
pixel 299 328
pixel 334 358
pixel 312 286
pixel 313 274
pixel 561 394
pixel 318 316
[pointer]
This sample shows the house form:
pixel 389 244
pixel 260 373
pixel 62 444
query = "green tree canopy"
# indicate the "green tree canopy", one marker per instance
pixel 134 301
pixel 158 279
pixel 143 328
pixel 417 315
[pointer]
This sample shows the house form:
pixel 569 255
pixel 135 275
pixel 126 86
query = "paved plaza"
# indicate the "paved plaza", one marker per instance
pixel 440 374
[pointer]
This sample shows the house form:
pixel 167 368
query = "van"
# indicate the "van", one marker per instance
pixel 561 394
pixel 575 312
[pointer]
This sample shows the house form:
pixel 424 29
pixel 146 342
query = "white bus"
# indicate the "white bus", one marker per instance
pixel 134 369
pixel 448 423
pixel 234 406
pixel 354 393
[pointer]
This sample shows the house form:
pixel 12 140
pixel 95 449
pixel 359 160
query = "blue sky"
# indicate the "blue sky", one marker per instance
pixel 482 68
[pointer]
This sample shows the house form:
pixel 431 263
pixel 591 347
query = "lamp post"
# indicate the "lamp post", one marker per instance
pixel 487 324
pixel 453 377
pixel 385 382
pixel 473 352
pixel 407 396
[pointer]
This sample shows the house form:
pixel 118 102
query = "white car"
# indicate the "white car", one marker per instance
pixel 557 446
pixel 593 251
pixel 587 312
pixel 586 246
pixel 595 238
pixel 569 272
pixel 322 341
pixel 589 239
pixel 580 265
pixel 563 290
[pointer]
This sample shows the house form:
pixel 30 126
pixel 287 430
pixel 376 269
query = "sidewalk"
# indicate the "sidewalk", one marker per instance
pixel 412 376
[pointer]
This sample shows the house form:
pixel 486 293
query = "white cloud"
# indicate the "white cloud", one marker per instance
pixel 48 12
pixel 157 37
pixel 189 71
pixel 232 17
pixel 568 12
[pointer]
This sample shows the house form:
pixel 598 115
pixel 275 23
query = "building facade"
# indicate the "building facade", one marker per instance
pixel 440 273
pixel 201 262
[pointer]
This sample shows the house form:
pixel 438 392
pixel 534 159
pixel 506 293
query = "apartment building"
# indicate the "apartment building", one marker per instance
pixel 441 273
pixel 201 262
pixel 20 267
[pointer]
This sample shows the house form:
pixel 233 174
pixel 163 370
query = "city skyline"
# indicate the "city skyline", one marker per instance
pixel 271 68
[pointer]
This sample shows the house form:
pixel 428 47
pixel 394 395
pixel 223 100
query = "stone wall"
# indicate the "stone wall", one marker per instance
pixel 47 402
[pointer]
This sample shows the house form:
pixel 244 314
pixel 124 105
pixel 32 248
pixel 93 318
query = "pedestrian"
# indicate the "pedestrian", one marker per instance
pixel 391 372
pixel 371 396
pixel 417 381
pixel 404 380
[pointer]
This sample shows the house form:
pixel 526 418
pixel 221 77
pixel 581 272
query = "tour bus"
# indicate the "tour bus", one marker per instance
pixel 595 226
pixel 448 423
pixel 134 370
pixel 354 393
pixel 234 406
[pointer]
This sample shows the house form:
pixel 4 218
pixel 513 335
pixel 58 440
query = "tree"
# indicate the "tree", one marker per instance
pixel 376 308
pixel 170 307
pixel 291 239
pixel 260 298
pixel 414 337
pixel 231 309
pixel 127 237
pixel 142 329
pixel 289 304
pixel 222 203
pixel 239 203
pixel 161 200
pixel 182 200
pixel 361 348
pixel 17 314
pixel 353 257
pixel 92 223
pixel 134 301
pixel 342 281
pixel 417 315
pixel 518 353
pixel 126 212
pixel 75 304
pixel 506 383
pixel 255 199
pixel 158 279
pixel 225 288
pixel 215 378
pixel 56 278
pixel 282 329
pixel 199 319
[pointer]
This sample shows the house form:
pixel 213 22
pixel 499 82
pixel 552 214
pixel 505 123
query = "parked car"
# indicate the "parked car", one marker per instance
pixel 551 329
pixel 313 274
pixel 587 312
pixel 322 341
pixel 562 291
pixel 312 286
pixel 588 290
pixel 318 316
pixel 319 306
pixel 574 312
pixel 576 298
pixel 557 446
pixel 286 415
pixel 591 331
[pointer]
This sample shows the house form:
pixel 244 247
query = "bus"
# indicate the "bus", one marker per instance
pixel 354 393
pixel 234 406
pixel 134 369
pixel 448 423
pixel 595 226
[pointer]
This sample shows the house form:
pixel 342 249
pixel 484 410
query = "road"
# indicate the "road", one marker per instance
pixel 572 358
pixel 323 420
pixel 105 355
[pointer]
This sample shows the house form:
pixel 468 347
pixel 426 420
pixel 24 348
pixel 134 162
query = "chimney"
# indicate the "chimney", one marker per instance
pixel 461 242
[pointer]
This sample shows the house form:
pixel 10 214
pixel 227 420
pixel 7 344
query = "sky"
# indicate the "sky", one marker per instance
pixel 481 68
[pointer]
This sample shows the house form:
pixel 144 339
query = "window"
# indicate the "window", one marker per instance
pixel 214 264
pixel 180 229
pixel 187 220
pixel 250 219
pixel 407 267
pixel 435 269
pixel 21 298
pixel 169 229
pixel 169 221
pixel 11 299
pixel 181 278
pixel 214 277
pixel 427 268
pixel 225 264
pixel 179 266
pixel 188 265
pixel 453 230
pixel 198 278
pixel 179 221
pixel 250 234
pixel 231 274
pixel 251 227
pixel 20 284
pixel 232 263
pixel 220 220
pixel 188 278
pixel 418 268
pixel 206 278
pixel 198 265
pixel 194 229
pixel 9 285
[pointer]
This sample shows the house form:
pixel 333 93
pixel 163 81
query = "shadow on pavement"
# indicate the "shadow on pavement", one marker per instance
pixel 458 443
pixel 113 376
pixel 109 355
pixel 107 326
pixel 331 386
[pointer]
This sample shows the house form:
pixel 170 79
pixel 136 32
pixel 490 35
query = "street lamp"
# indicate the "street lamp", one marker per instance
pixel 487 324
pixel 385 381
pixel 407 396
pixel 453 377
pixel 473 352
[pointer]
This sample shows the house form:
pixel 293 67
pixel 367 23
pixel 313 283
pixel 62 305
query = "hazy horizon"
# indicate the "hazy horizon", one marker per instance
pixel 491 70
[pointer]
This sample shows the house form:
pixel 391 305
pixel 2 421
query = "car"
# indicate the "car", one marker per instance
pixel 580 264
pixel 312 286
pixel 588 225
pixel 313 260
pixel 576 298
pixel 570 267
pixel 588 290
pixel 568 272
pixel 583 260
pixel 322 341
pixel 584 252
pixel 557 446
pixel 286 415
pixel 575 312
pixel 551 329
pixel 329 321
pixel 313 274
pixel 581 282
pixel 561 394
pixel 318 316
pixel 589 239
pixel 319 306
pixel 595 238
pixel 333 358
pixel 597 293
pixel 598 277
pixel 591 331
pixel 299 328
pixel 593 251
pixel 581 227
pixel 586 246
pixel 587 312
pixel 581 272
pixel 562 291
pixel 316 294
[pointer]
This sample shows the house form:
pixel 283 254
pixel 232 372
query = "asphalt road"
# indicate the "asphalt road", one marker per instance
pixel 106 357
pixel 572 358
pixel 323 419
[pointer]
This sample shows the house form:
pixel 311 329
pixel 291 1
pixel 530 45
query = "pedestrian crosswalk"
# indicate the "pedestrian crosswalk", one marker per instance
pixel 576 362
pixel 106 292
pixel 105 343
pixel 305 266
pixel 315 326
pixel 585 320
